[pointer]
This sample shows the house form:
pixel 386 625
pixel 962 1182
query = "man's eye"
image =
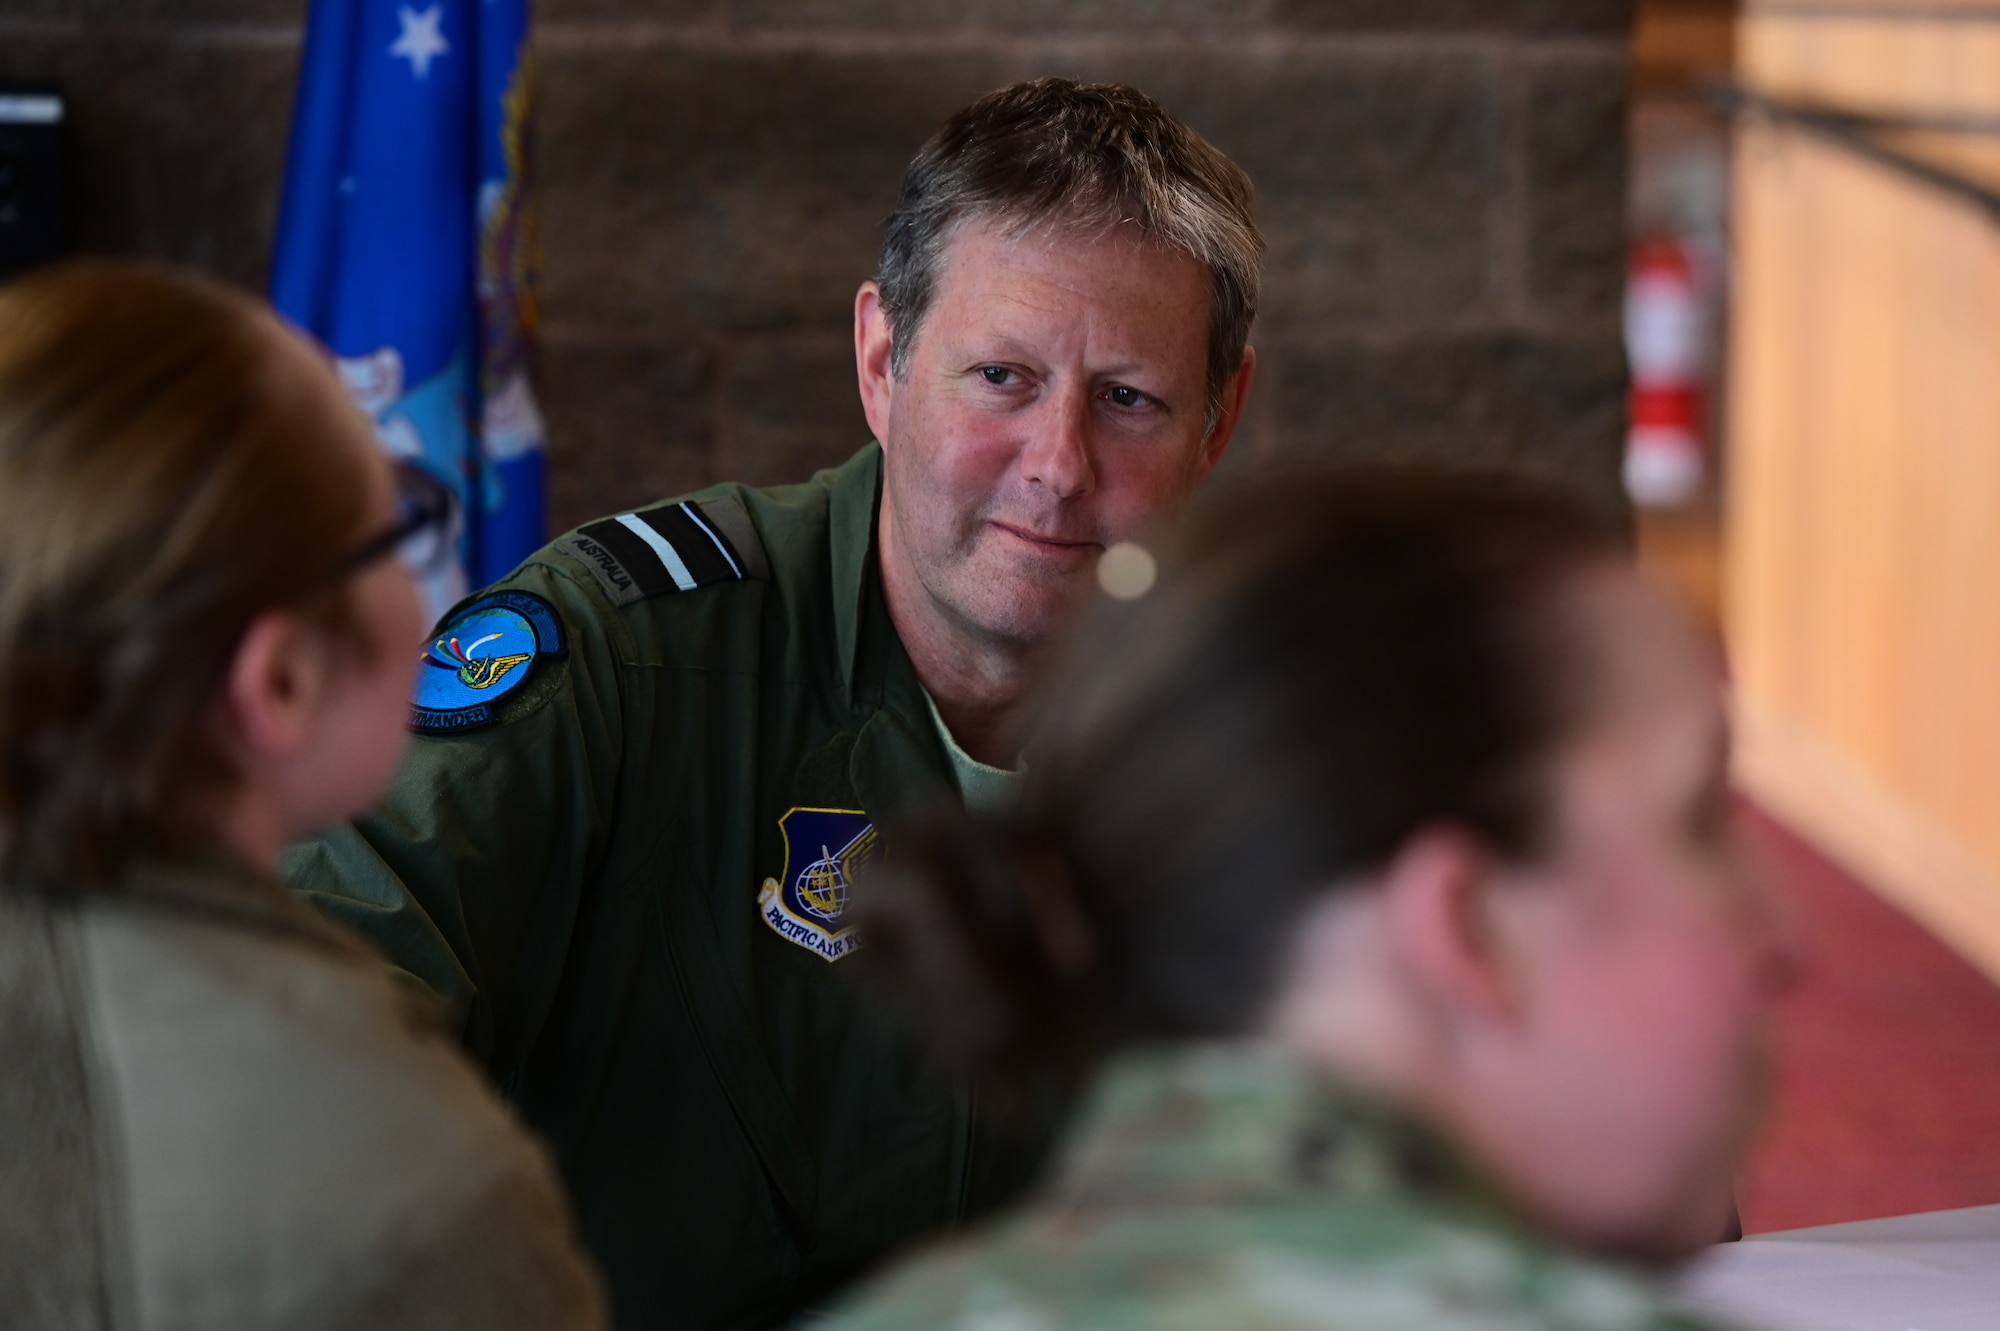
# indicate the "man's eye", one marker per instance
pixel 996 374
pixel 1127 397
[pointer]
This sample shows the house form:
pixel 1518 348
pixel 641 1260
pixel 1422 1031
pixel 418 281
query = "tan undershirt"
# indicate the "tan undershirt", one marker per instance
pixel 986 789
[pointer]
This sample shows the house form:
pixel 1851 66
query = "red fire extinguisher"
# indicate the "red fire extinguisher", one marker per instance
pixel 1665 332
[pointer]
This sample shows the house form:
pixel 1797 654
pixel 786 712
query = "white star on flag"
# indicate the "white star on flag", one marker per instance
pixel 420 41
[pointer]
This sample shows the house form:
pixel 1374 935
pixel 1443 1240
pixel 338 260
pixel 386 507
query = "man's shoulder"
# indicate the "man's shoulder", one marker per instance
pixel 699 582
pixel 726 534
pixel 663 549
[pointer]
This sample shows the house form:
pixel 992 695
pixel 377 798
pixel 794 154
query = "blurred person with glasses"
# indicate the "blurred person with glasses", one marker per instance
pixel 219 1109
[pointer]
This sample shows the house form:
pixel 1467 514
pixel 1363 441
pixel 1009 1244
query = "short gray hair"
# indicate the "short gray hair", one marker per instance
pixel 1082 155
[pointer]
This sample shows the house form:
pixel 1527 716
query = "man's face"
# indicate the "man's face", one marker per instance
pixel 1054 401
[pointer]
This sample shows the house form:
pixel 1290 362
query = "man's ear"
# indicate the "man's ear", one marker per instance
pixel 1235 393
pixel 1436 888
pixel 273 687
pixel 873 345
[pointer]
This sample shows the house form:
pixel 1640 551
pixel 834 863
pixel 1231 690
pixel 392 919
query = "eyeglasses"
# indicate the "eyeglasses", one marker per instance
pixel 424 534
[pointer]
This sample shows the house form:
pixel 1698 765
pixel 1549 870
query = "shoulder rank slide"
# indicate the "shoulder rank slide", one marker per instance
pixel 673 547
pixel 486 650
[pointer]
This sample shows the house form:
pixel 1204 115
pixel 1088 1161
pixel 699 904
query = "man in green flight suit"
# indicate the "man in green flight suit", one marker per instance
pixel 651 761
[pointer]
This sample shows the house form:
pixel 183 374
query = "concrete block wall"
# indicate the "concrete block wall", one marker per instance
pixel 1441 181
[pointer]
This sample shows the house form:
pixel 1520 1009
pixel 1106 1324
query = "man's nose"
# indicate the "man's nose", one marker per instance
pixel 1056 454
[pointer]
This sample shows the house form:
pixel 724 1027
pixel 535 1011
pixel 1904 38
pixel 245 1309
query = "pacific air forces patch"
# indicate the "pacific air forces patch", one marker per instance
pixel 807 903
pixel 484 652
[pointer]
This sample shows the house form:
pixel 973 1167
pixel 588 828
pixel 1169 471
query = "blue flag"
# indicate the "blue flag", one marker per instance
pixel 406 244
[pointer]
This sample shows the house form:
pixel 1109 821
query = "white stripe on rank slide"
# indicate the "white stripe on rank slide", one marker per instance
pixel 716 541
pixel 27 109
pixel 633 523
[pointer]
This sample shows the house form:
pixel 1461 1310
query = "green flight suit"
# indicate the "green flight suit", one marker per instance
pixel 1224 1188
pixel 588 871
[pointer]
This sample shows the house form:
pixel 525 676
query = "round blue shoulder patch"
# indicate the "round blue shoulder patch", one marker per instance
pixel 484 652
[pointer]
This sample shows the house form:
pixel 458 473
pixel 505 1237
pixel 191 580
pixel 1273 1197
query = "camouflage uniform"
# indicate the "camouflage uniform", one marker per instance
pixel 1223 1188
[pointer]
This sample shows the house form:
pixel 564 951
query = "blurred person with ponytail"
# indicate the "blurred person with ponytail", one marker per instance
pixel 1378 859
pixel 219 1110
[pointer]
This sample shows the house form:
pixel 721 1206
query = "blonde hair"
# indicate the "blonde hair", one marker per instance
pixel 169 470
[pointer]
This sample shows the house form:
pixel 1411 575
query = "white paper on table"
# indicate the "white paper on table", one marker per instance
pixel 1939 1271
